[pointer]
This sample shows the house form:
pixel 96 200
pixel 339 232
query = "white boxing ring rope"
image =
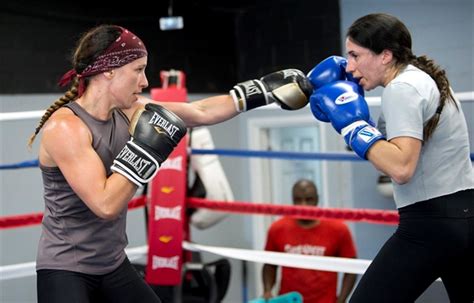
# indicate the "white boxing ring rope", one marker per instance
pixel 347 265
pixel 335 264
pixel 22 270
pixel 462 97
pixel 372 101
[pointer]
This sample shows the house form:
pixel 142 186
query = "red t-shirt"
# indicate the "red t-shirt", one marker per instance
pixel 328 238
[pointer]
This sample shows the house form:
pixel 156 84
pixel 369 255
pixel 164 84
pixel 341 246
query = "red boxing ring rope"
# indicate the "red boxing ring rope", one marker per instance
pixel 35 218
pixel 365 215
pixel 358 215
pixel 20 220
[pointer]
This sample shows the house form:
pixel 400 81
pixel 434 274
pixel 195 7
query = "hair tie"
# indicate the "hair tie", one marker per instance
pixel 67 77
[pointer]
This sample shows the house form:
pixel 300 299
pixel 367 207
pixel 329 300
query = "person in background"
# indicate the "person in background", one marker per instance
pixel 101 141
pixel 317 237
pixel 421 142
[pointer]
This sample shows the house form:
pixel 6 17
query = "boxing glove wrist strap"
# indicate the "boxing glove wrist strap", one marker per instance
pixel 136 164
pixel 249 95
pixel 360 136
pixel 350 128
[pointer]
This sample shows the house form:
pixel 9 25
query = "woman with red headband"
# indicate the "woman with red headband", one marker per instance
pixel 101 141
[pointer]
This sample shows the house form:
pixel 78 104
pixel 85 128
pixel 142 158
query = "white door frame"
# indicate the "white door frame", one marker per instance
pixel 259 173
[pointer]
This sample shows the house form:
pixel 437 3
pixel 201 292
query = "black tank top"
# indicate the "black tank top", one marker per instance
pixel 73 237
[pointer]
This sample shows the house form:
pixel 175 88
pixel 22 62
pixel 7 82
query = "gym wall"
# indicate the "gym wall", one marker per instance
pixel 221 42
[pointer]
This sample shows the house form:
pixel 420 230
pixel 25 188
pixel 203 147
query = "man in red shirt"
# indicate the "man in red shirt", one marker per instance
pixel 320 237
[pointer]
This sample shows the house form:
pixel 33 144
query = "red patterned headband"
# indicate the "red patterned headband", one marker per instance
pixel 125 49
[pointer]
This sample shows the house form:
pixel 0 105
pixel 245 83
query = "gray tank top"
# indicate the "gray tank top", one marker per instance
pixel 73 237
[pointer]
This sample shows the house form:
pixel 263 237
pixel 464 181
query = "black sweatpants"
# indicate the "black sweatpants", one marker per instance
pixel 123 285
pixel 435 239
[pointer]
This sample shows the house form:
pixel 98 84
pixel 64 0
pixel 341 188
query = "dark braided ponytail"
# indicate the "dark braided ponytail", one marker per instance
pixel 439 76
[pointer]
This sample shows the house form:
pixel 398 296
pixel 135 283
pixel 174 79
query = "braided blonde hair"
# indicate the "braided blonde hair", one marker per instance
pixel 69 96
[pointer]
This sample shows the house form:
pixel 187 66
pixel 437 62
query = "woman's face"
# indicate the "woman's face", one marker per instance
pixel 129 81
pixel 365 65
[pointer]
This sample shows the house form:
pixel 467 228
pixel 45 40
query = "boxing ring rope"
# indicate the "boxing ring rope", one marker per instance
pixel 338 156
pixel 28 269
pixel 353 266
pixel 334 156
pixel 356 266
pixel 298 211
pixel 35 218
pixel 371 101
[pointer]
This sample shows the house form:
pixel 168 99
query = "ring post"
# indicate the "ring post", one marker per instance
pixel 168 197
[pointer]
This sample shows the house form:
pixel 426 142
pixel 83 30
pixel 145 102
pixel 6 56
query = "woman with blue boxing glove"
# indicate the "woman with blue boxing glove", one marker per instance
pixel 421 142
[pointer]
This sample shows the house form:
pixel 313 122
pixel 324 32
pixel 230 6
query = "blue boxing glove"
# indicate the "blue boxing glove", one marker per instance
pixel 328 71
pixel 348 113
